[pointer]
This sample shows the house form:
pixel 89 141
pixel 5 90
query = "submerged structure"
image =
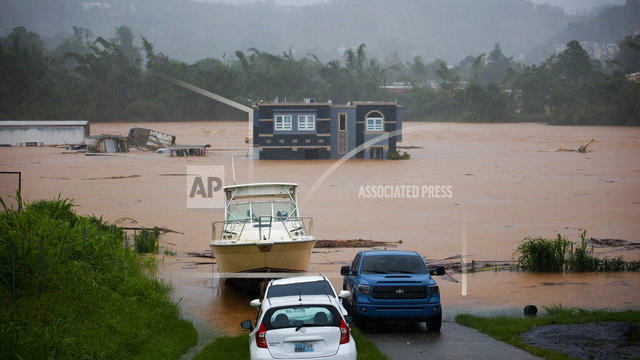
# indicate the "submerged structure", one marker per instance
pixel 150 139
pixel 310 130
pixel 49 132
pixel 188 150
pixel 106 143
pixel 262 231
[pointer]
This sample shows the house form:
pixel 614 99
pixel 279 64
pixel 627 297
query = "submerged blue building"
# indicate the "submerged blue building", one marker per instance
pixel 310 130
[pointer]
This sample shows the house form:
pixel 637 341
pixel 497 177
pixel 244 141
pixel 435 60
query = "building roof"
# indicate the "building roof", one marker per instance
pixel 350 104
pixel 106 136
pixel 44 123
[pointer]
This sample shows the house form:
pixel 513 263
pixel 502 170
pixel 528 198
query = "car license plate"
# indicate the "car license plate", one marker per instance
pixel 303 347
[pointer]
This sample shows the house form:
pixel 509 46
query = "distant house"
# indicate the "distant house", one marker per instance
pixel 635 77
pixel 311 130
pixel 397 87
pixel 49 132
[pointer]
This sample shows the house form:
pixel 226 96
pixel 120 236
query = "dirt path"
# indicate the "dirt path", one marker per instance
pixel 411 341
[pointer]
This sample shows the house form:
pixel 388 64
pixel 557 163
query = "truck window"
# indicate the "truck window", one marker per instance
pixel 355 264
pixel 393 264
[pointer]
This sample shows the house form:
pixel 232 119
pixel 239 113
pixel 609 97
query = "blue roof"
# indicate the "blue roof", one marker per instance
pixel 388 252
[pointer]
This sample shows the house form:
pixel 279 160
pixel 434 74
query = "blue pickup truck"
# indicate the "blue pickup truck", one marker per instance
pixel 389 284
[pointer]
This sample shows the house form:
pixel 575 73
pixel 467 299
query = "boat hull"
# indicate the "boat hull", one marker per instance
pixel 281 256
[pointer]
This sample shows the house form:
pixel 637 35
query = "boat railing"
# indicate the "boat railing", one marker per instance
pixel 233 229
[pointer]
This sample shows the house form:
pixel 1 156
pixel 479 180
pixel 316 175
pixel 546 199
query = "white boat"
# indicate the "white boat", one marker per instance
pixel 262 231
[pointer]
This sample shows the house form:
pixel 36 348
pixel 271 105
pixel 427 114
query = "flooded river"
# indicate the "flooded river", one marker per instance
pixel 505 183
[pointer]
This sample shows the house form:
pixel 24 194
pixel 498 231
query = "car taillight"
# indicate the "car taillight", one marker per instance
pixel 344 332
pixel 261 340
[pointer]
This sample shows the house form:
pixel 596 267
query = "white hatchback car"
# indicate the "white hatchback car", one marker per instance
pixel 303 285
pixel 300 327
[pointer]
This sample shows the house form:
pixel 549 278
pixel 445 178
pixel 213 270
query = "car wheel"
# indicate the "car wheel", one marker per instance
pixel 434 323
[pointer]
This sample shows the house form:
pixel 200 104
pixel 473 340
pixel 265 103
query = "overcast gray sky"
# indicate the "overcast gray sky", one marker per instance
pixel 570 6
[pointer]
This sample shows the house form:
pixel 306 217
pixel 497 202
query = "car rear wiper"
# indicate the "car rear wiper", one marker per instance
pixel 310 325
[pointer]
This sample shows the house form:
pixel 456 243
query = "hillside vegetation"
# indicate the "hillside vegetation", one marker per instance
pixel 69 289
pixel 113 79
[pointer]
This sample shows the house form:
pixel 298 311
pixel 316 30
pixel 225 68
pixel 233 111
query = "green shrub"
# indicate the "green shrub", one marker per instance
pixel 542 255
pixel 146 241
pixel 395 155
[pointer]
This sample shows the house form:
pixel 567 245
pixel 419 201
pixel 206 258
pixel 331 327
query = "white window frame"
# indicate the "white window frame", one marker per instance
pixel 283 123
pixel 375 124
pixel 307 122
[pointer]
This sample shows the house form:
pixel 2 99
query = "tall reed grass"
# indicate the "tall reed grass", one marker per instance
pixel 146 241
pixel 562 255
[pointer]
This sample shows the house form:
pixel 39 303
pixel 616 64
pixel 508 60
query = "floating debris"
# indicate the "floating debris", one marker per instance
pixel 150 139
pixel 356 243
pixel 580 149
pixel 601 243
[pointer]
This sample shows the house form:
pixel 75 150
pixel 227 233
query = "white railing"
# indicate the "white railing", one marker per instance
pixel 232 230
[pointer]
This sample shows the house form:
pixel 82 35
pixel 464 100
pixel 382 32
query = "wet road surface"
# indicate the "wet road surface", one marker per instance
pixel 412 341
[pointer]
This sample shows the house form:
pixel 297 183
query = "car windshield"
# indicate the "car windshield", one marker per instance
pixel 320 287
pixel 301 315
pixel 393 264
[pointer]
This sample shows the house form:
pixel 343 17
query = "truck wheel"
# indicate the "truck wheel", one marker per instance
pixel 434 323
pixel 359 320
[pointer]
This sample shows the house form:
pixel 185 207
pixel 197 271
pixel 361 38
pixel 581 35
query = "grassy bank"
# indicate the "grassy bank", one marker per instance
pixel 79 293
pixel 562 255
pixel 508 329
pixel 237 348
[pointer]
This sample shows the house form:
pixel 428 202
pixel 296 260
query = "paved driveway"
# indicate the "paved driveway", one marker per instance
pixel 412 341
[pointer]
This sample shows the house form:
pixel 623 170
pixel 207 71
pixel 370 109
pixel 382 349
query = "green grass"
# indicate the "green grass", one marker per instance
pixel 508 329
pixel 226 347
pixel 89 299
pixel 237 348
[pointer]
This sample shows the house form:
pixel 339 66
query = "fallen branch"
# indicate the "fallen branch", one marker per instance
pixel 356 243
pixel 580 149
pixel 163 230
pixel 206 254
pixel 601 243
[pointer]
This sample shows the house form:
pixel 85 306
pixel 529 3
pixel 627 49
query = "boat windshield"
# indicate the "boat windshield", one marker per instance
pixel 279 210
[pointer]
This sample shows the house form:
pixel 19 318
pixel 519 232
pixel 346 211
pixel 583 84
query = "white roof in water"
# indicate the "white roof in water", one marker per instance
pixel 44 123
pixel 260 190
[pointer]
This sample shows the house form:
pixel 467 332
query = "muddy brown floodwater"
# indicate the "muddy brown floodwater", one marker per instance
pixel 505 185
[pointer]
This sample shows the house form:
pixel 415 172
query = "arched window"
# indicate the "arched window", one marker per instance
pixel 375 121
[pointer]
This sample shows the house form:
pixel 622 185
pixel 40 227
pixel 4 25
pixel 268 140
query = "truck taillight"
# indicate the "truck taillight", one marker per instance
pixel 344 332
pixel 261 340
